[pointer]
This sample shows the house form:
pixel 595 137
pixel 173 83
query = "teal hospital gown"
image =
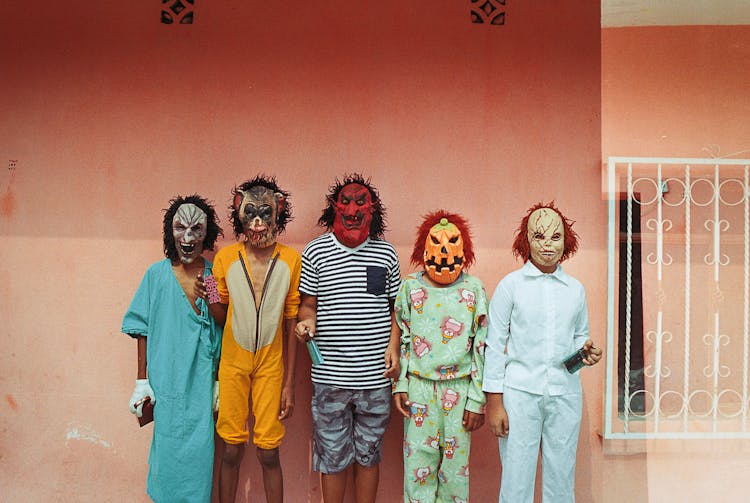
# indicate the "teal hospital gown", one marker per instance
pixel 182 353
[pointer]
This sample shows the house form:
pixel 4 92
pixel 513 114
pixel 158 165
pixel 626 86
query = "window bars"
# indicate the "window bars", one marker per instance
pixel 678 294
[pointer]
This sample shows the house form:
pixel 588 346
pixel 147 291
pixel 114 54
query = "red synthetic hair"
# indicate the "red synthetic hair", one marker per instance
pixel 521 242
pixel 432 219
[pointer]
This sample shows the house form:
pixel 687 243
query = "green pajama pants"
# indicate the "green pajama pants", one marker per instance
pixel 436 446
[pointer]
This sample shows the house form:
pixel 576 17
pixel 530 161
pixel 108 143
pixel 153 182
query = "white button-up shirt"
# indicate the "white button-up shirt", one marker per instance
pixel 536 320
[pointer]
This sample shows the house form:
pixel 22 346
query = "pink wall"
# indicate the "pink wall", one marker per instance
pixel 106 114
pixel 676 92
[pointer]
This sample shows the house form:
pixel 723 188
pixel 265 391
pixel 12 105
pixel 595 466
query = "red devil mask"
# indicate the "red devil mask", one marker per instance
pixel 351 224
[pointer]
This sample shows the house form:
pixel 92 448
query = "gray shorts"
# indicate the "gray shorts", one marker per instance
pixel 348 426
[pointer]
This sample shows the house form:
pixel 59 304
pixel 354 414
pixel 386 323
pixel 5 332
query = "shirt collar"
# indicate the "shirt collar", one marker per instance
pixel 530 270
pixel 346 248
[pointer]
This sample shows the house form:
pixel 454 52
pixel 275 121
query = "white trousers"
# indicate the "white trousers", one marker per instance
pixel 553 421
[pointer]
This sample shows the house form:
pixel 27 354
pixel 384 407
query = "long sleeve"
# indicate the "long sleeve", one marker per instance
pixel 402 309
pixel 498 332
pixel 291 305
pixel 581 327
pixel 137 318
pixel 476 398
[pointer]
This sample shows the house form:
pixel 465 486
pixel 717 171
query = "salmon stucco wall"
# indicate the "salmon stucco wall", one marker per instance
pixel 106 113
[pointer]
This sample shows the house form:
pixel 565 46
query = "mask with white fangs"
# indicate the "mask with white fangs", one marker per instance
pixel 189 231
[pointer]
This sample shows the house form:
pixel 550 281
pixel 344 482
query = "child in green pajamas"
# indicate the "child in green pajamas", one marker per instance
pixel 442 314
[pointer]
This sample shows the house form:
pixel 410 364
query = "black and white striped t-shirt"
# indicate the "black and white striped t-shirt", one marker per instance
pixel 352 287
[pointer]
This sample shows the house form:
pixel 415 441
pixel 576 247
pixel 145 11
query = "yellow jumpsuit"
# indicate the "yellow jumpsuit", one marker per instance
pixel 252 363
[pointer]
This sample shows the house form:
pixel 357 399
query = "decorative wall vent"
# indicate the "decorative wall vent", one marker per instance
pixel 177 11
pixel 488 11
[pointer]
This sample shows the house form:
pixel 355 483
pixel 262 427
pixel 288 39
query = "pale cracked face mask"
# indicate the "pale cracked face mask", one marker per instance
pixel 189 231
pixel 546 235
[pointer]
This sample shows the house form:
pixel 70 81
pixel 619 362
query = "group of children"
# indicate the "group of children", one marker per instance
pixel 217 337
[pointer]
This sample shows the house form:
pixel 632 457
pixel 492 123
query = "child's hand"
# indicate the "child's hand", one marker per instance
pixel 472 420
pixel 593 354
pixel 305 330
pixel 199 288
pixel 392 363
pixel 286 407
pixel 497 416
pixel 401 401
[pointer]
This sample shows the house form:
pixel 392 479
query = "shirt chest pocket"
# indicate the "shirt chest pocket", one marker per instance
pixel 376 280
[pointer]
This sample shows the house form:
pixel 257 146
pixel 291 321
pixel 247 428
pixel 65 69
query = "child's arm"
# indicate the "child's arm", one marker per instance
pixel 392 352
pixel 497 417
pixel 142 386
pixel 217 310
pixel 308 309
pixel 593 354
pixel 142 363
pixel 498 333
pixel 400 330
pixel 290 350
pixel 476 397
pixel 136 324
pixel 400 398
pixel 473 418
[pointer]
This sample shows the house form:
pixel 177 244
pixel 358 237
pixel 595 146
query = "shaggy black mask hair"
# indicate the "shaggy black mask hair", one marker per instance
pixel 284 214
pixel 213 231
pixel 377 227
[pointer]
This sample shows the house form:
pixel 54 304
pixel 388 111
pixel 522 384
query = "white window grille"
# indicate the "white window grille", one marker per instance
pixel 678 297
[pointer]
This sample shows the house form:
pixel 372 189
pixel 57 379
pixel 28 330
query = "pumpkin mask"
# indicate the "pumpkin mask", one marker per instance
pixel 444 252
pixel 443 246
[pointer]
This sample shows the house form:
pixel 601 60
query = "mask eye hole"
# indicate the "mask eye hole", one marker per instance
pixel 453 240
pixel 435 240
pixel 265 212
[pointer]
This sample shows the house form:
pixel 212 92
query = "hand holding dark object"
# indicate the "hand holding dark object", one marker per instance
pixel 305 330
pixel 593 354
pixel 147 411
pixel 587 355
